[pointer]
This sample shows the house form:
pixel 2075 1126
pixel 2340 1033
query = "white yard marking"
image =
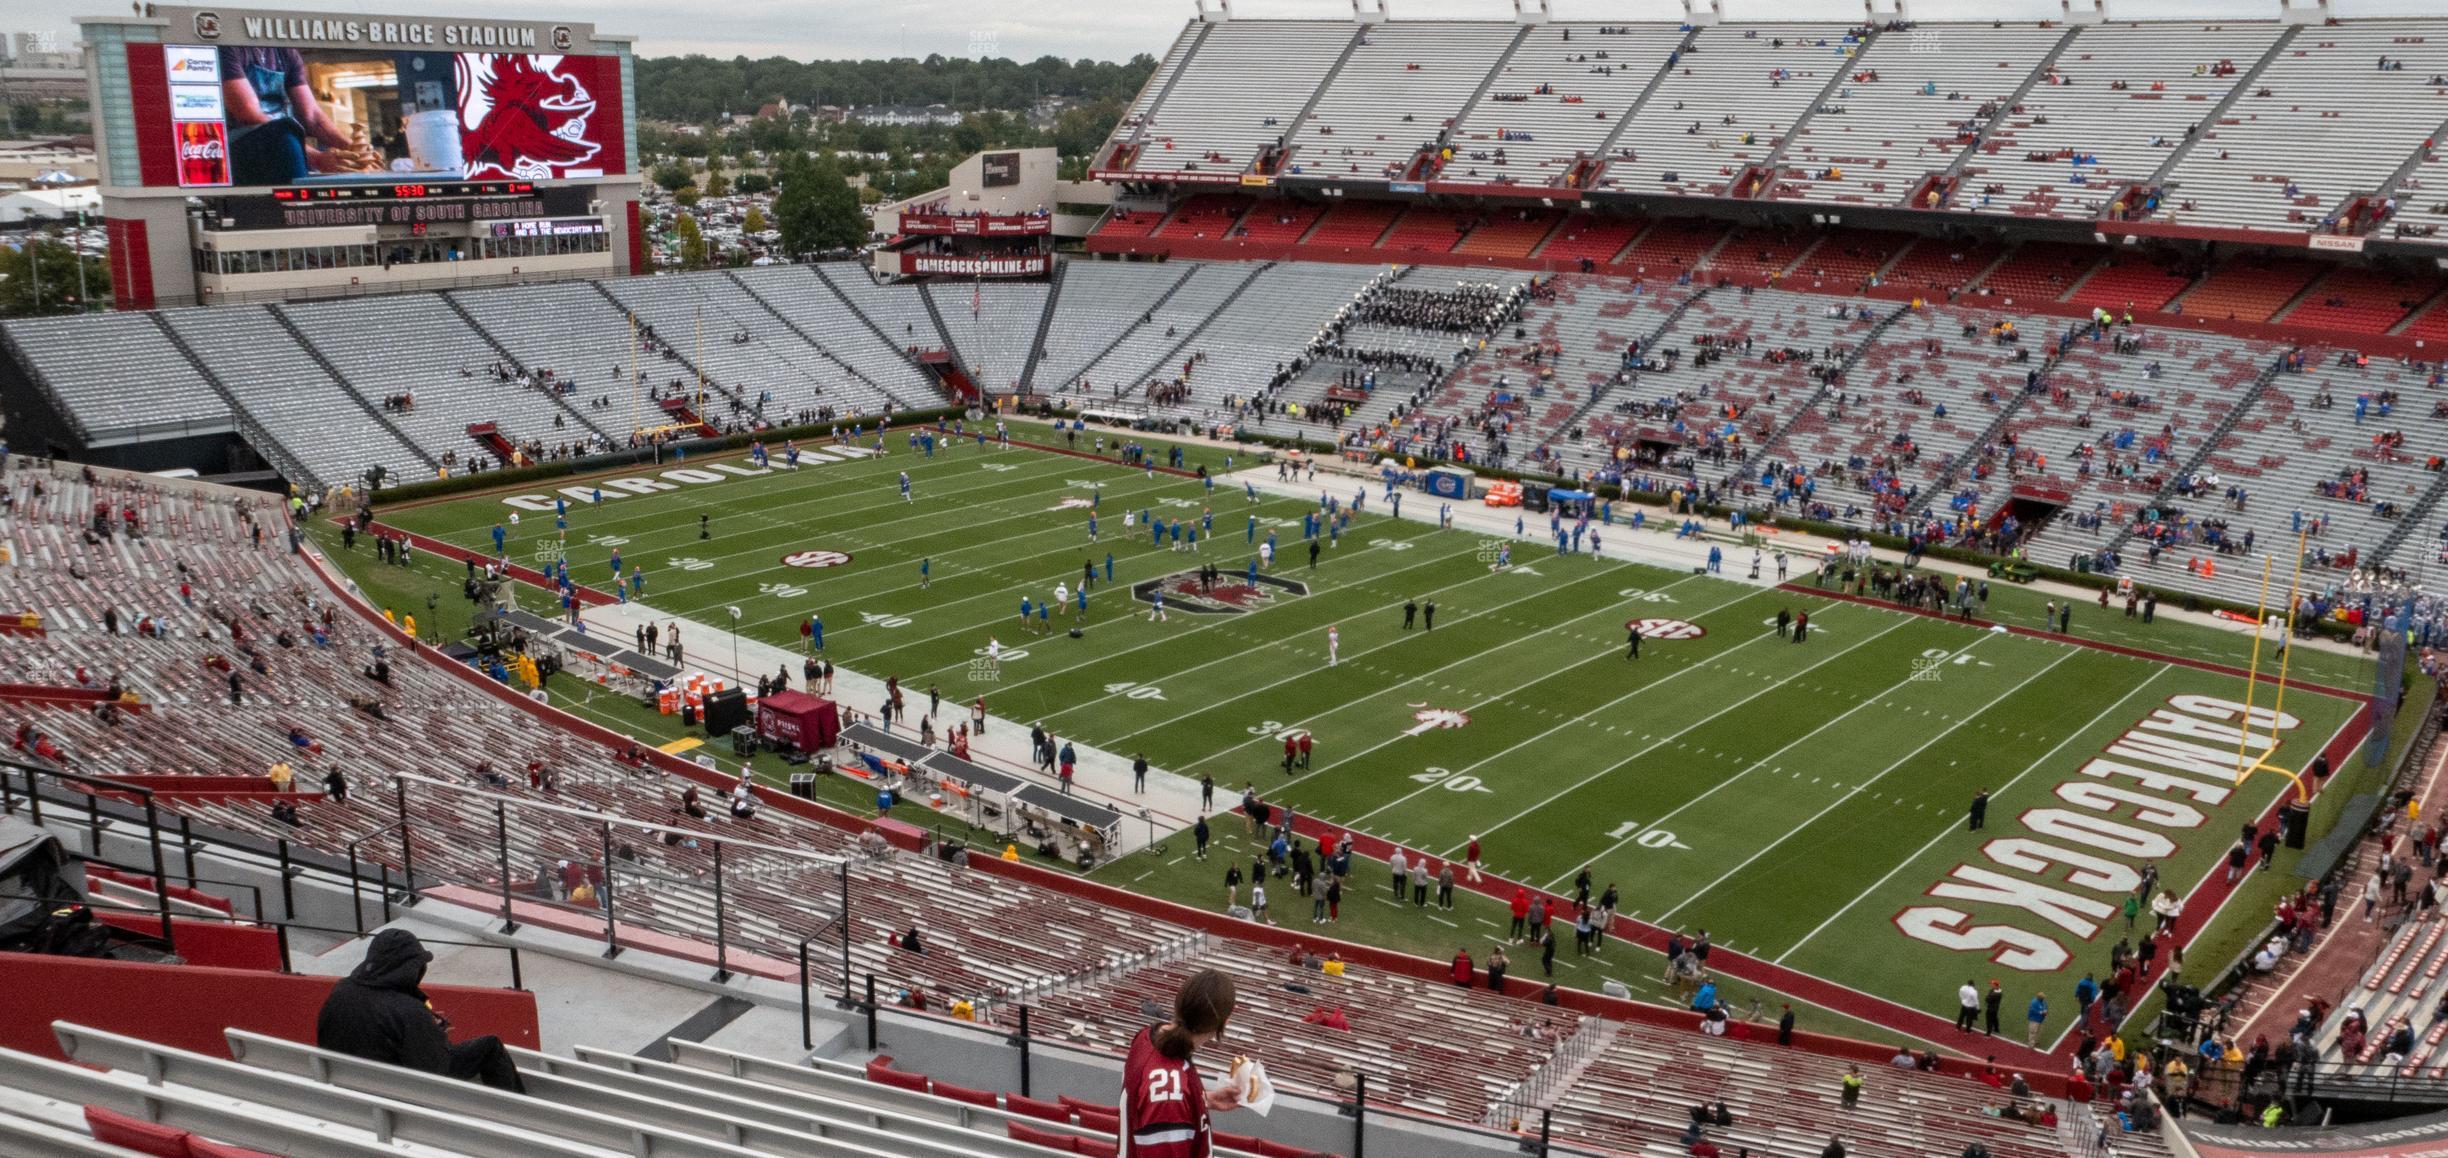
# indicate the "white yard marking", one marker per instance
pixel 2044 758
pixel 1118 591
pixel 1758 765
pixel 1222 622
pixel 1305 672
pixel 1423 677
pixel 1856 790
pixel 1634 693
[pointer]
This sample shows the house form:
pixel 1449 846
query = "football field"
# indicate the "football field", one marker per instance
pixel 1805 801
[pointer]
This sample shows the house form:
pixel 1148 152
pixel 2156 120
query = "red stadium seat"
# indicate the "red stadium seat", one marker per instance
pixel 880 1071
pixel 986 1098
pixel 1022 1132
pixel 1050 1111
pixel 117 1129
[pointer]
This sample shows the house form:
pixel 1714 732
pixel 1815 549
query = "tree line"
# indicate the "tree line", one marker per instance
pixel 699 89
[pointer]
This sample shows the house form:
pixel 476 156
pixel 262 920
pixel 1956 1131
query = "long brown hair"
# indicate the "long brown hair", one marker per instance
pixel 1204 1004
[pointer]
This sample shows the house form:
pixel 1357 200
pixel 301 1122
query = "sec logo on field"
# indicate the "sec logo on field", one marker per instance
pixel 816 558
pixel 1666 629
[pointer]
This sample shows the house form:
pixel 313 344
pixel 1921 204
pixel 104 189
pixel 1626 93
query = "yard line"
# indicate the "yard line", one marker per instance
pixel 950 574
pixel 1857 789
pixel 820 480
pixel 846 520
pixel 1005 617
pixel 1762 762
pixel 641 546
pixel 1310 672
pixel 1162 639
pixel 926 511
pixel 1403 684
pixel 1323 768
pixel 1661 741
pixel 923 511
pixel 1949 830
pixel 1541 734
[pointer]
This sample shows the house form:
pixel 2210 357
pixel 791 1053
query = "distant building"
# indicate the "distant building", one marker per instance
pixel 37 66
pixel 40 50
pixel 1045 109
pixel 46 162
pixel 59 203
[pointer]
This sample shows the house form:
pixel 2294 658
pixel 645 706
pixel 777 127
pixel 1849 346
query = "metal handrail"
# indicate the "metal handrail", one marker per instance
pixel 518 975
pixel 94 788
pixel 255 891
pixel 357 879
pixel 1357 1105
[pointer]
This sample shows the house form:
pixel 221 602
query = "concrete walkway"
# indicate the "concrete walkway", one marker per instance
pixel 1170 802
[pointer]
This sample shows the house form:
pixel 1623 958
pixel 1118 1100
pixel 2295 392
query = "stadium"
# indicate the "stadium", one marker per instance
pixel 1906 544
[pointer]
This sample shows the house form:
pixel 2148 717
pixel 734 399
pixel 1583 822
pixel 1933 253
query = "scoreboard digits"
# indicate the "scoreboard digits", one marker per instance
pixel 403 192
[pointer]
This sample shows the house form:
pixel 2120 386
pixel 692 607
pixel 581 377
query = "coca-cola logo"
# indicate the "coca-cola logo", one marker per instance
pixel 208 25
pixel 210 150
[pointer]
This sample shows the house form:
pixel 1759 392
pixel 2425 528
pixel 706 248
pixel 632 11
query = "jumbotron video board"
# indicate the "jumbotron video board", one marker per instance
pixel 245 100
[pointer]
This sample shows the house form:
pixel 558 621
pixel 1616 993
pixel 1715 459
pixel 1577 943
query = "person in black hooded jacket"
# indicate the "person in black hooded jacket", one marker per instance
pixel 378 1013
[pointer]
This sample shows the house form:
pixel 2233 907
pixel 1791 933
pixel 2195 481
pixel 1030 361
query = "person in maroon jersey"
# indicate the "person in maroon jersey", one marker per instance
pixel 1164 1105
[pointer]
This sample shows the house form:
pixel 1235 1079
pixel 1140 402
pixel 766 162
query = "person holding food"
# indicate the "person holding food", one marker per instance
pixel 279 132
pixel 1164 1103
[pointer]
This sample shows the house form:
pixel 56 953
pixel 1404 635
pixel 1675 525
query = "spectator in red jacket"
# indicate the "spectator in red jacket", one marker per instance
pixel 1462 968
pixel 1330 1018
pixel 1521 912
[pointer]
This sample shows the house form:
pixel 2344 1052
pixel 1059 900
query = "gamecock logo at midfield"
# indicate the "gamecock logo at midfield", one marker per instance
pixel 1231 595
pixel 520 117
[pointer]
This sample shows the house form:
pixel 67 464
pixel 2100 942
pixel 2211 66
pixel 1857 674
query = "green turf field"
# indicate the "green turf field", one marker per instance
pixel 1794 799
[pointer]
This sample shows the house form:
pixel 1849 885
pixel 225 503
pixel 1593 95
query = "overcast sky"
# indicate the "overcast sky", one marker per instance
pixel 1103 29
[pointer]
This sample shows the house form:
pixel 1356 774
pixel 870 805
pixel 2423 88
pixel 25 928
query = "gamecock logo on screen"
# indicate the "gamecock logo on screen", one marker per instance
pixel 521 117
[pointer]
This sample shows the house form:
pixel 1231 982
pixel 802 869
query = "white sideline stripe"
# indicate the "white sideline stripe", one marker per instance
pixel 926 510
pixel 1762 762
pixel 1634 693
pixel 1006 618
pixel 817 487
pixel 1163 639
pixel 1661 741
pixel 917 512
pixel 764 520
pixel 1211 705
pixel 1858 789
pixel 811 583
pixel 1433 672
pixel 1949 830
